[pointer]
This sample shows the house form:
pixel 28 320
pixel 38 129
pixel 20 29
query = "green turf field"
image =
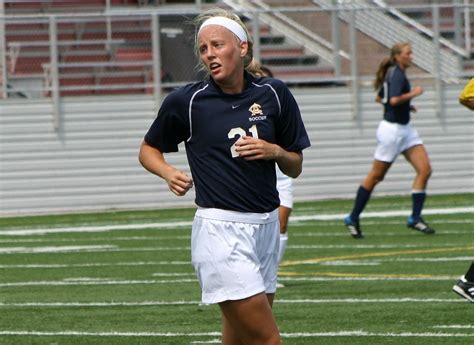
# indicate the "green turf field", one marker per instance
pixel 126 278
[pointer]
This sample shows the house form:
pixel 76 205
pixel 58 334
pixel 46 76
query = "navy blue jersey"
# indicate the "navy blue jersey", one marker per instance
pixel 395 84
pixel 210 122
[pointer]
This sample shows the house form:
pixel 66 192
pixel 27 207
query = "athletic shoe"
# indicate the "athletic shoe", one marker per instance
pixel 420 225
pixel 464 289
pixel 353 227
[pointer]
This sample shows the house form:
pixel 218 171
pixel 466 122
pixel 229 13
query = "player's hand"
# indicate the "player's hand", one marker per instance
pixel 178 182
pixel 413 109
pixel 417 90
pixel 251 148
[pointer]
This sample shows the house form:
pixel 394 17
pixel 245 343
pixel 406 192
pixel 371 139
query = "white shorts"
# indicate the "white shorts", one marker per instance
pixel 235 254
pixel 393 139
pixel 285 189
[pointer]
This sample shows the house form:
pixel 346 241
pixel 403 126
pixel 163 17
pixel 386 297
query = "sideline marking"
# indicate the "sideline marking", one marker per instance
pixel 116 249
pixel 282 301
pixel 167 225
pixel 285 276
pixel 358 333
pixel 59 249
pixel 100 264
pixel 385 214
pixel 188 263
pixel 88 249
pixel 93 282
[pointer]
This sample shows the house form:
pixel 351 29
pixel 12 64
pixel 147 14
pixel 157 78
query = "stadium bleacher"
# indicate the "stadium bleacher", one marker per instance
pixel 104 46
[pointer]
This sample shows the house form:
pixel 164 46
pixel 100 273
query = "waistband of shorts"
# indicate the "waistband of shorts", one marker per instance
pixel 237 217
pixel 396 124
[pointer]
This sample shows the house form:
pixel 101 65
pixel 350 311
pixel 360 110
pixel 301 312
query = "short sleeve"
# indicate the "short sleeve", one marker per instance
pixel 396 83
pixel 171 125
pixel 468 91
pixel 290 131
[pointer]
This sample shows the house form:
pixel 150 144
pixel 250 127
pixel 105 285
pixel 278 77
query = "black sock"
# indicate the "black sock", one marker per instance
pixel 470 273
pixel 418 201
pixel 362 197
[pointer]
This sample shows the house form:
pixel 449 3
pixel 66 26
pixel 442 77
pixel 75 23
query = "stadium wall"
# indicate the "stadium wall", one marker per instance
pixel 90 163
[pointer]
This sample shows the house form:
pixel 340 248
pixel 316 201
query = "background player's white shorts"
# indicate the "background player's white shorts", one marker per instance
pixel 393 139
pixel 234 254
pixel 285 189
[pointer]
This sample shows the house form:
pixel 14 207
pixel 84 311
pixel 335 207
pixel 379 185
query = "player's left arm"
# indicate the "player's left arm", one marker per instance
pixel 468 103
pixel 290 163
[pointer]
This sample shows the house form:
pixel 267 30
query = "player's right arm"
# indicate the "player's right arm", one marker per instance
pixel 403 98
pixel 396 86
pixel 153 160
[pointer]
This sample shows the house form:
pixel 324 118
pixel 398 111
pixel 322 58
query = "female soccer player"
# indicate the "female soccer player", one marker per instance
pixel 235 128
pixel 395 135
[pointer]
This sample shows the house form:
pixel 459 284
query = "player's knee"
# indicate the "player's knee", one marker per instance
pixel 376 178
pixel 426 172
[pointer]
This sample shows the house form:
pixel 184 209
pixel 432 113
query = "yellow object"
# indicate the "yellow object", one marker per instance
pixel 468 91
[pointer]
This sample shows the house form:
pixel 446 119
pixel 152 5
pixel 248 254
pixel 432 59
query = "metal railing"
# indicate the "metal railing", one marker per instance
pixel 155 44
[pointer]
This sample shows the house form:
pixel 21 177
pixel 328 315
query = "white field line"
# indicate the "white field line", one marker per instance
pixel 187 237
pixel 383 278
pixel 455 326
pixel 358 333
pixel 338 222
pixel 167 225
pixel 188 263
pixel 110 334
pixel 114 249
pixel 369 246
pixel 173 274
pixel 91 239
pixel 342 232
pixel 54 249
pixel 67 282
pixel 88 249
pixel 105 281
pixel 101 264
pixel 371 334
pixel 385 214
pixel 198 303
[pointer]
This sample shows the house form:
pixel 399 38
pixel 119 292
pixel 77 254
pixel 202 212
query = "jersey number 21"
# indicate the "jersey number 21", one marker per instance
pixel 240 132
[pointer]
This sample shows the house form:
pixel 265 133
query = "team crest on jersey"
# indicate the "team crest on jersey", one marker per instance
pixel 256 113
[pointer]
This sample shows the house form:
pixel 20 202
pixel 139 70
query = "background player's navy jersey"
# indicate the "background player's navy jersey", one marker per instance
pixel 210 122
pixel 395 84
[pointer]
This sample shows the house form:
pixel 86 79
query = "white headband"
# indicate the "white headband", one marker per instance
pixel 229 24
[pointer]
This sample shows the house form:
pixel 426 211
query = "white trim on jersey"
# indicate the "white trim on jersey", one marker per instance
pixel 189 111
pixel 274 91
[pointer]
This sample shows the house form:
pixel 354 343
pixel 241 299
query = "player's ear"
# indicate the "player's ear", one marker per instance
pixel 244 47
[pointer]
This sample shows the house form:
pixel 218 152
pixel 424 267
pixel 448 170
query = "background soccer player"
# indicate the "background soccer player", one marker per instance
pixel 284 184
pixel 395 135
pixel 465 285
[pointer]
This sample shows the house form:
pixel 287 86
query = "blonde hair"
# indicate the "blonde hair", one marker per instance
pixel 387 62
pixel 218 12
pixel 259 70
